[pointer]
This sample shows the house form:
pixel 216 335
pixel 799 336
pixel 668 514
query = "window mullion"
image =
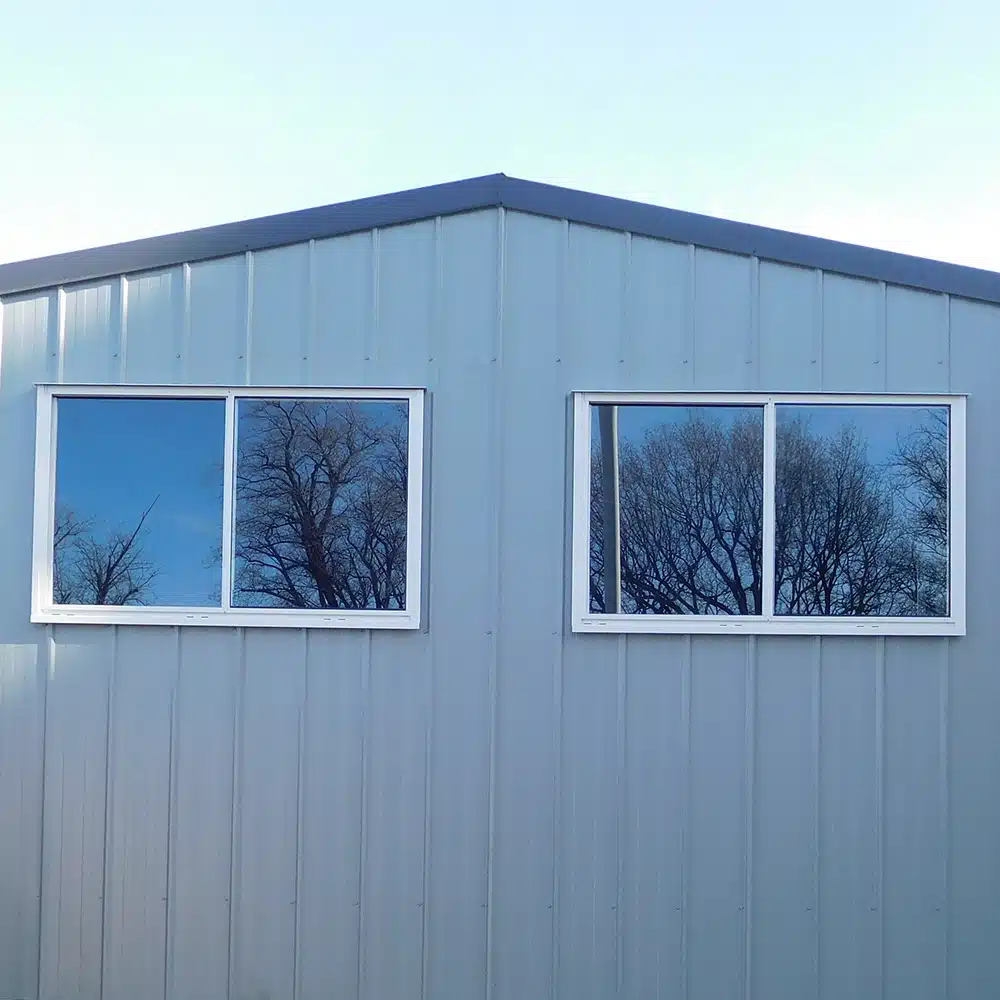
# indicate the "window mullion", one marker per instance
pixel 228 503
pixel 770 451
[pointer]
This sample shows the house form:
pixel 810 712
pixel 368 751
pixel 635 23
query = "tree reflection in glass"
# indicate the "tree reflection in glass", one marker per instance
pixel 690 509
pixel 861 515
pixel 321 504
pixel 861 510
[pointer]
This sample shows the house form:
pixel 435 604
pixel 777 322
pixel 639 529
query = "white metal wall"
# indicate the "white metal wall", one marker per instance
pixel 497 808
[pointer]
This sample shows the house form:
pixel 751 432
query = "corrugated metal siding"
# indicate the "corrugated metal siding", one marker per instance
pixel 496 807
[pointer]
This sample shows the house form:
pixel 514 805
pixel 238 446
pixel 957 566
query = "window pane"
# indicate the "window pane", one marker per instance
pixel 321 504
pixel 861 515
pixel 689 509
pixel 138 515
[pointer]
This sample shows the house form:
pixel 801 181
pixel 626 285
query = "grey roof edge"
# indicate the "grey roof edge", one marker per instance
pixel 252 234
pixel 491 191
pixel 743 238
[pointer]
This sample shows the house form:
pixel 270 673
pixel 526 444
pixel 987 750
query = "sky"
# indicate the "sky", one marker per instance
pixel 874 123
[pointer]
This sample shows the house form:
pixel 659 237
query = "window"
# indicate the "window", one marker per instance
pixel 214 506
pixel 805 514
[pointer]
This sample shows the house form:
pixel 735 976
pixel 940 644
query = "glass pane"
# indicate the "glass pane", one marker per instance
pixel 321 504
pixel 138 501
pixel 861 515
pixel 686 503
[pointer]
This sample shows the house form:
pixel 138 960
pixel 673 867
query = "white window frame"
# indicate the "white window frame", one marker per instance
pixel 768 623
pixel 43 608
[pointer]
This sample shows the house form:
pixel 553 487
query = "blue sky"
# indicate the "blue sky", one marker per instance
pixel 116 456
pixel 870 122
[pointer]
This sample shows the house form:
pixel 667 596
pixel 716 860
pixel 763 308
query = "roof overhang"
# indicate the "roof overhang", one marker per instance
pixel 496 191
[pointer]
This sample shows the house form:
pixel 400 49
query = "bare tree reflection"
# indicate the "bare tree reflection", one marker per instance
pixel 321 490
pixel 920 464
pixel 838 533
pixel 854 536
pixel 691 521
pixel 89 568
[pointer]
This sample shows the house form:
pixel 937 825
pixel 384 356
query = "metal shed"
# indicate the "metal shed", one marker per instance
pixel 495 804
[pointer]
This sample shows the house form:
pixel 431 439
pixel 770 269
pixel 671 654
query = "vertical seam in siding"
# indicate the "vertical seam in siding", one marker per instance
pixel 186 327
pixel 817 724
pixel 621 720
pixel 685 901
pixel 300 778
pixel 624 332
pixel 248 330
pixel 114 322
pixel 309 333
pixel 60 334
pixel 366 665
pixel 178 319
pixel 880 808
pixel 557 662
pixel 944 791
pixel 557 718
pixel 883 342
pixel 236 819
pixel 123 328
pixel 819 324
pixel 690 310
pixel 944 738
pixel 621 805
pixel 371 329
pixel 34 308
pixel 170 873
pixel 50 650
pixel 947 320
pixel 108 318
pixel 426 859
pixel 496 443
pixel 753 348
pixel 562 305
pixel 437 290
pixel 58 869
pixel 61 868
pixel 749 780
pixel 436 311
pixel 108 853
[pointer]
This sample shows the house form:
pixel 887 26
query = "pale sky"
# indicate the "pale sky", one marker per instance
pixel 875 122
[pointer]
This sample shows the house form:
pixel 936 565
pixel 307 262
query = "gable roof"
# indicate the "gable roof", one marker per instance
pixel 493 191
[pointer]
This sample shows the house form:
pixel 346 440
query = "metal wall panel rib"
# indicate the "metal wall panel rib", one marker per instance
pixel 973 690
pixel 28 352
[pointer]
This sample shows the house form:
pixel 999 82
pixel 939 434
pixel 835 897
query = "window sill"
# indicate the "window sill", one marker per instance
pixel 234 618
pixel 718 625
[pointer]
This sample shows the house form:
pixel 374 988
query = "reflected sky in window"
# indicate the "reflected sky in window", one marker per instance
pixel 321 504
pixel 882 426
pixel 139 501
pixel 635 420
